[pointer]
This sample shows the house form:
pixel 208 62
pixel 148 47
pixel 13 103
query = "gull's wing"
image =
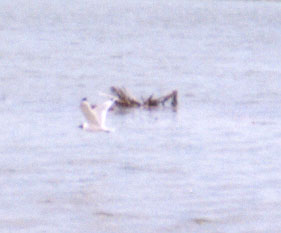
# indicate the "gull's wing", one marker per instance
pixel 89 113
pixel 101 111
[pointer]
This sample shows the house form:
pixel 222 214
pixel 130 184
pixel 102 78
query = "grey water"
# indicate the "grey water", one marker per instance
pixel 213 165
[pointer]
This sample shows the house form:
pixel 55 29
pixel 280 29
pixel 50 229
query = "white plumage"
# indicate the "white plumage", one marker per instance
pixel 95 115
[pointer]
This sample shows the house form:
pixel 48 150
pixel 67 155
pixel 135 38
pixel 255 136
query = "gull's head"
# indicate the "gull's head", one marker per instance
pixel 84 103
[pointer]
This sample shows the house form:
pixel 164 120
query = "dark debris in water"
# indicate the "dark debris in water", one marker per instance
pixel 126 99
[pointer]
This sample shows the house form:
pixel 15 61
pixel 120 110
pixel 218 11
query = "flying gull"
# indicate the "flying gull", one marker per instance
pixel 95 115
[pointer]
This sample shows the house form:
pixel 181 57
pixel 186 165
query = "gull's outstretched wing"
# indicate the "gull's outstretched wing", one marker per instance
pixel 89 113
pixel 101 111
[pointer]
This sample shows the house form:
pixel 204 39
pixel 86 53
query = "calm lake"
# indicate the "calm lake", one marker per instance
pixel 212 166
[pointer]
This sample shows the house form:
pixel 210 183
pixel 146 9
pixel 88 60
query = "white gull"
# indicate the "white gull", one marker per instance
pixel 95 115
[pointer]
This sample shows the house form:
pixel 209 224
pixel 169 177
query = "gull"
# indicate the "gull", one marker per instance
pixel 95 115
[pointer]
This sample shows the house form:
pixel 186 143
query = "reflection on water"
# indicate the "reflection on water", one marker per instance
pixel 211 166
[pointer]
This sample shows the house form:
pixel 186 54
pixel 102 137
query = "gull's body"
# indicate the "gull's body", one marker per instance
pixel 95 115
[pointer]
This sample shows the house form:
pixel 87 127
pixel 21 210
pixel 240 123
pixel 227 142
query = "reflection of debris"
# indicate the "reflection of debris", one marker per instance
pixel 104 214
pixel 201 221
pixel 126 99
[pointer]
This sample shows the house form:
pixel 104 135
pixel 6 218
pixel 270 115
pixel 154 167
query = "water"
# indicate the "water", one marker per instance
pixel 211 166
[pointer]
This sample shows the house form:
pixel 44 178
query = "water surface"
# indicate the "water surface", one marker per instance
pixel 211 166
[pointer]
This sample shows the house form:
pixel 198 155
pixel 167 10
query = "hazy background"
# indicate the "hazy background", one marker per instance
pixel 211 166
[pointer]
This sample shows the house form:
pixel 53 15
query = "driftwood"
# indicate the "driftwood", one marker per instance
pixel 126 99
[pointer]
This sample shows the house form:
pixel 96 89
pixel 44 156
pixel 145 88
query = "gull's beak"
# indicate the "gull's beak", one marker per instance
pixel 84 99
